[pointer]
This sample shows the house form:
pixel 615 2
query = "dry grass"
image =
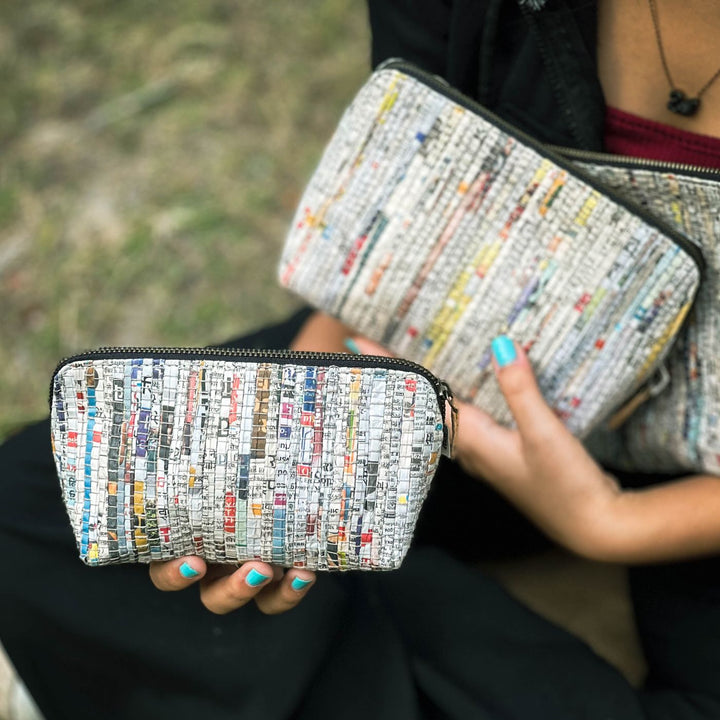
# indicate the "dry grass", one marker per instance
pixel 152 155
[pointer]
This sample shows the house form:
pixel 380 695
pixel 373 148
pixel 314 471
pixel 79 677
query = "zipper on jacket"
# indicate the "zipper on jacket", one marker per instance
pixel 442 390
pixel 444 88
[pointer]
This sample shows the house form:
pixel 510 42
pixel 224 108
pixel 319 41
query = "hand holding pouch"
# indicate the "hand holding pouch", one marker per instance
pixel 310 460
pixel 436 227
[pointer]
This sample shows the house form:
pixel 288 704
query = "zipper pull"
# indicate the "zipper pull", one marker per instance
pixel 447 405
pixel 654 386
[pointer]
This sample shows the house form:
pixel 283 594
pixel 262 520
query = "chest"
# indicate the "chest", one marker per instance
pixel 630 49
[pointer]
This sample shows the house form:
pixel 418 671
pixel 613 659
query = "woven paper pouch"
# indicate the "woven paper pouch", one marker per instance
pixel 435 226
pixel 319 461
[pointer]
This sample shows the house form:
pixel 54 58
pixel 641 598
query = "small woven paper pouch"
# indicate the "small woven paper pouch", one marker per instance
pixel 310 460
pixel 435 226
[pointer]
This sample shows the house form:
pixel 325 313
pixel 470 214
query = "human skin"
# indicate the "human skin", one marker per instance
pixel 546 472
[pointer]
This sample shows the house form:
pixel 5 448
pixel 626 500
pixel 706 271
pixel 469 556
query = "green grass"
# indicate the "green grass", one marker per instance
pixel 152 156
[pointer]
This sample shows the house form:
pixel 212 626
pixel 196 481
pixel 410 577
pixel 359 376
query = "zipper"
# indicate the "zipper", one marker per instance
pixel 627 161
pixel 557 155
pixel 648 390
pixel 442 389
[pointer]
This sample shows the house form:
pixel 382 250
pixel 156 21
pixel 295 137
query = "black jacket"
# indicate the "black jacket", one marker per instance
pixel 535 68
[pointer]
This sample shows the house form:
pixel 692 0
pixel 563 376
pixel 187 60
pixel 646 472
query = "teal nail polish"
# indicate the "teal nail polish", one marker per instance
pixel 503 349
pixel 254 578
pixel 351 345
pixel 187 572
pixel 299 584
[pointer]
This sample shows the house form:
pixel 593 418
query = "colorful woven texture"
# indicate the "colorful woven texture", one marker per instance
pixel 298 465
pixel 433 231
pixel 680 429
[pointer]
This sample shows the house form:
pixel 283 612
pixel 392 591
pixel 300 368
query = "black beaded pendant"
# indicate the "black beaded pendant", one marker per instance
pixel 681 104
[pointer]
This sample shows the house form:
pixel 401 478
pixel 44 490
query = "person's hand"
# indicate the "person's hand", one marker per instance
pixel 539 466
pixel 546 472
pixel 321 333
pixel 224 588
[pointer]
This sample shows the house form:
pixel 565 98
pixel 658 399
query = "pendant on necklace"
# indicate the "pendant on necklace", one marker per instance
pixel 681 104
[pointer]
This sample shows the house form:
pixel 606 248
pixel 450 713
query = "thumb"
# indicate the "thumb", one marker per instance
pixel 533 415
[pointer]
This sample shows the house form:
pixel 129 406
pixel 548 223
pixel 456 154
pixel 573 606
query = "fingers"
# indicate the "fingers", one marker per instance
pixel 484 448
pixel 287 593
pixel 547 443
pixel 533 416
pixel 273 591
pixel 224 588
pixel 515 377
pixel 224 591
pixel 177 574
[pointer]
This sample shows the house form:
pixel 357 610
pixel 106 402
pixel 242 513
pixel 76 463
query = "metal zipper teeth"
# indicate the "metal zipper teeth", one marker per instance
pixel 696 171
pixel 442 390
pixel 444 88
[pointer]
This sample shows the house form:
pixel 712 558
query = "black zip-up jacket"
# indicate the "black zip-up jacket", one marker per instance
pixel 535 68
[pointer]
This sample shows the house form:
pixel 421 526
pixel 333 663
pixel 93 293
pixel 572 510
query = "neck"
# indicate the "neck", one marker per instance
pixel 630 64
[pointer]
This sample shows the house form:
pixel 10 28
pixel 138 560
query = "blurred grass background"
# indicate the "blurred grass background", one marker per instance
pixel 152 153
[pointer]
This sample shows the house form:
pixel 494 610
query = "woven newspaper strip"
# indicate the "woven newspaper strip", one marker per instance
pixel 302 466
pixel 680 429
pixel 434 231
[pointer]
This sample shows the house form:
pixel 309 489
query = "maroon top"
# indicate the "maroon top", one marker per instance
pixel 627 134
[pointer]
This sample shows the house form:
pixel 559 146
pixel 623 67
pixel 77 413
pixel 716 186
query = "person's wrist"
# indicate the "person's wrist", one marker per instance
pixel 596 527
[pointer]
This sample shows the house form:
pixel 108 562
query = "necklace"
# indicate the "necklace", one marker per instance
pixel 679 102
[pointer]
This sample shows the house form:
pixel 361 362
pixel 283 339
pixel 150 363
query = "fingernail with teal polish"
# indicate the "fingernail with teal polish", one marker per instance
pixel 254 578
pixel 188 572
pixel 503 349
pixel 351 345
pixel 299 584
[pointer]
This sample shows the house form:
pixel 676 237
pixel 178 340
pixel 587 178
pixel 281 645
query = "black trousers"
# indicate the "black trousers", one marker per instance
pixel 435 639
